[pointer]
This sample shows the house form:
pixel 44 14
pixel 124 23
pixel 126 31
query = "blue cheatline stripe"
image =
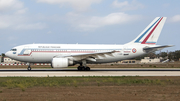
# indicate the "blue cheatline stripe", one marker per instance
pixel 150 42
pixel 146 31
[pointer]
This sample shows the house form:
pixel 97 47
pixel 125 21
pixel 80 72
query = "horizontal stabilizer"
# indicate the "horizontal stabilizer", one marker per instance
pixel 155 48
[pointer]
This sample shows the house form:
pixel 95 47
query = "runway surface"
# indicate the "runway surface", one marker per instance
pixel 93 72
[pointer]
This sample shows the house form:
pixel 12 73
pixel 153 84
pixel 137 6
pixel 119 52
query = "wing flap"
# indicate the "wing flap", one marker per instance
pixel 96 55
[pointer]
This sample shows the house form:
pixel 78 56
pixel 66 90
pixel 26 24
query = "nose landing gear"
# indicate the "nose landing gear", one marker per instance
pixel 29 67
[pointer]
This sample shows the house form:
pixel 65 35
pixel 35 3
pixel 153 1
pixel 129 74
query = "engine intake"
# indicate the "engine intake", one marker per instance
pixel 61 62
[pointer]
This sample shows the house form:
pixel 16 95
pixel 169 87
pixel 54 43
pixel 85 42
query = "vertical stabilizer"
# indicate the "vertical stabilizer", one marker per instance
pixel 151 33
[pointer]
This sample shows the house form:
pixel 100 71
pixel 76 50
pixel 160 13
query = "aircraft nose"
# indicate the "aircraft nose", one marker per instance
pixel 7 54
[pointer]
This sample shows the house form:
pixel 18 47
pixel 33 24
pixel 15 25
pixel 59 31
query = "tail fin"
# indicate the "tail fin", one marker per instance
pixel 151 33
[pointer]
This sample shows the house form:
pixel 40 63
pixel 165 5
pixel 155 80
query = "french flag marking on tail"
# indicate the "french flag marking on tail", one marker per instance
pixel 151 33
pixel 145 40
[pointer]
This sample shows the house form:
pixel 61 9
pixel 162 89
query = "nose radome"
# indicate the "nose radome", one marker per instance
pixel 7 54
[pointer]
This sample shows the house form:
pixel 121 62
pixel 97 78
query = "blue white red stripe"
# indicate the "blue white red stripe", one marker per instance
pixel 147 37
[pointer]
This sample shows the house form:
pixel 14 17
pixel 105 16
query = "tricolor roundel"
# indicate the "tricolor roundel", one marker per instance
pixel 134 50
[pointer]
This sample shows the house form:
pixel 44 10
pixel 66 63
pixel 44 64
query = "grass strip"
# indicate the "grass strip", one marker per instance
pixel 27 82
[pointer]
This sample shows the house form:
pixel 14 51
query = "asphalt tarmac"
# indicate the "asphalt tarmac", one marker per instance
pixel 94 72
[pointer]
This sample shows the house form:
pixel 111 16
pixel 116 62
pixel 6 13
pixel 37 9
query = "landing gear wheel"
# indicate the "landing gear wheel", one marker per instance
pixel 87 69
pixel 79 68
pixel 83 68
pixel 29 68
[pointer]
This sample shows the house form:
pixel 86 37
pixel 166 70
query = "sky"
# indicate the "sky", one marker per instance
pixel 85 21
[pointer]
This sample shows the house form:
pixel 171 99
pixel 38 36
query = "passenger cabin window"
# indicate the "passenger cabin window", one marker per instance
pixel 13 50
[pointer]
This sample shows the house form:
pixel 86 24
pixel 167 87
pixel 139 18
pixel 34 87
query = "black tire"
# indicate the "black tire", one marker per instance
pixel 83 68
pixel 87 69
pixel 79 68
pixel 29 68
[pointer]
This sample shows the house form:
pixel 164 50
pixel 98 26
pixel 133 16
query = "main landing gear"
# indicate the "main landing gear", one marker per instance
pixel 83 66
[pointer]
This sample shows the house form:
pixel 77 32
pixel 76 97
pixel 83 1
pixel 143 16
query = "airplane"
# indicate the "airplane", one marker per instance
pixel 64 55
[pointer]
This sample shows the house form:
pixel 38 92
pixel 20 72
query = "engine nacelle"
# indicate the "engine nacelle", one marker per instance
pixel 61 62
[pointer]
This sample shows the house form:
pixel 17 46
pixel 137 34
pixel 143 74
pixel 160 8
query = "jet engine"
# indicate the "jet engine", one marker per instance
pixel 61 62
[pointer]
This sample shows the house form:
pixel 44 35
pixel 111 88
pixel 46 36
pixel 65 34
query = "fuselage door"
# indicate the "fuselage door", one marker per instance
pixel 27 51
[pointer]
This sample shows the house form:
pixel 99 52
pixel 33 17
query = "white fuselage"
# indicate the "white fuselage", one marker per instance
pixel 64 55
pixel 44 53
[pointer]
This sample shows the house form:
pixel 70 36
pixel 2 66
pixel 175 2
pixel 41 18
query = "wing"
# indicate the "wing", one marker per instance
pixel 156 48
pixel 90 56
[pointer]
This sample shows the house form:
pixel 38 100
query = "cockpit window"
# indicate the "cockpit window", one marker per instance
pixel 13 49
